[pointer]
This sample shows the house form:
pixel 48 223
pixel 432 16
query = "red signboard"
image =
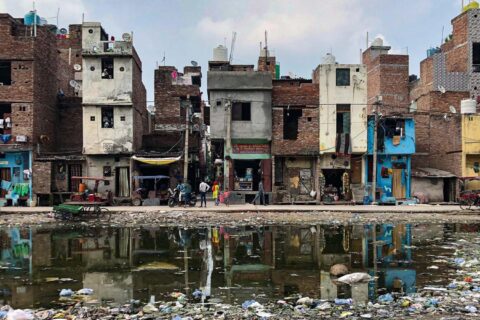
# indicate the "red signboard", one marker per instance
pixel 251 148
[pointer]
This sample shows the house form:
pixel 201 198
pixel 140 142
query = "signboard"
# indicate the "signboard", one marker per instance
pixel 251 148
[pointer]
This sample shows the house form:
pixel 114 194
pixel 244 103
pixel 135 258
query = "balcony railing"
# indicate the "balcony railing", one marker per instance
pixel 109 48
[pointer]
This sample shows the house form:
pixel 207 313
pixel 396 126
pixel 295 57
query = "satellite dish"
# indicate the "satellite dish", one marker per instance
pixel 194 63
pixel 77 67
pixel 63 31
pixel 442 89
pixel 74 84
pixel 126 37
pixel 452 109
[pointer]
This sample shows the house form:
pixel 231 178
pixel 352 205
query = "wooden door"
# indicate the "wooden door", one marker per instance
pixel 398 188
pixel 356 172
pixel 6 175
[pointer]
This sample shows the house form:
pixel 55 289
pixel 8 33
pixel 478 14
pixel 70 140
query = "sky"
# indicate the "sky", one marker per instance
pixel 300 32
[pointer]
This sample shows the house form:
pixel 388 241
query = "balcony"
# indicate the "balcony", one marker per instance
pixel 113 48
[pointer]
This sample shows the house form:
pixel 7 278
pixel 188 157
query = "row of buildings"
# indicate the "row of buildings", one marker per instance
pixel 72 103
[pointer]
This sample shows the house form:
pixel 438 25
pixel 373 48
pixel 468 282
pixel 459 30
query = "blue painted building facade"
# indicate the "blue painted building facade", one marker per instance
pixel 395 147
pixel 16 177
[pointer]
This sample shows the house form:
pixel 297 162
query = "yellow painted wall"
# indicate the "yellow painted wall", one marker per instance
pixel 470 144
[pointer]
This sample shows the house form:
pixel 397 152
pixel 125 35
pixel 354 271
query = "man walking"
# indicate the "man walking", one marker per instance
pixel 260 193
pixel 203 188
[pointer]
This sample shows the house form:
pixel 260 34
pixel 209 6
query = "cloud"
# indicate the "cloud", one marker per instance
pixel 294 28
pixel 70 11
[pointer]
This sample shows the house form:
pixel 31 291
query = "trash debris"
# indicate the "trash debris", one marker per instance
pixel 66 293
pixel 343 301
pixel 85 292
pixel 355 278
pixel 19 315
pixel 385 298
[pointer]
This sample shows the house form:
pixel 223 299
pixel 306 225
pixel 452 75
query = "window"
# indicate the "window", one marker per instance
pixel 196 81
pixel 92 118
pixel 241 111
pixel 6 119
pixel 5 73
pixel 107 117
pixel 122 118
pixel 343 118
pixel 343 77
pixel 476 57
pixel 219 103
pixel 107 68
pixel 290 123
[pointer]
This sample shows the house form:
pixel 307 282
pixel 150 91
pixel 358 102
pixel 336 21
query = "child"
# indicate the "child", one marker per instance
pixel 226 196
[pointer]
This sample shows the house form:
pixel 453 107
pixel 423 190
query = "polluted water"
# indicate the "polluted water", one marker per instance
pixel 351 271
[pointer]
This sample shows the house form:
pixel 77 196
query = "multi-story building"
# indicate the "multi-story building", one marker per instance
pixel 241 125
pixel 445 100
pixel 342 128
pixel 295 140
pixel 38 108
pixel 178 100
pixel 114 107
pixel 395 147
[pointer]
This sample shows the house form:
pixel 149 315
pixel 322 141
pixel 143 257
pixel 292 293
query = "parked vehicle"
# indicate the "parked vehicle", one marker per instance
pixel 173 200
pixel 469 199
pixel 84 196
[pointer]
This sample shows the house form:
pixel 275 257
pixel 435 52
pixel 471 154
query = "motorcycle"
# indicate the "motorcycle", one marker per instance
pixel 173 199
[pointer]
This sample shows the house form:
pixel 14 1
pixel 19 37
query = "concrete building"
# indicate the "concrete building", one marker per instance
pixel 114 107
pixel 342 128
pixel 241 126
pixel 177 95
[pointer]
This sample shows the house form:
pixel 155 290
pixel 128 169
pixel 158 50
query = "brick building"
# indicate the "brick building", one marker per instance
pixel 177 99
pixel 447 135
pixel 295 144
pixel 35 100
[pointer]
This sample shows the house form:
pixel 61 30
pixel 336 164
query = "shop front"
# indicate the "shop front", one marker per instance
pixel 340 177
pixel 249 164
pixel 15 178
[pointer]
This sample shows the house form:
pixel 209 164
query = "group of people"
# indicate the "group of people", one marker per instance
pixel 218 196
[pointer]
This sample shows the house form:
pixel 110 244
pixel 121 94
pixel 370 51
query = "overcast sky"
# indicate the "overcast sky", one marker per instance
pixel 299 31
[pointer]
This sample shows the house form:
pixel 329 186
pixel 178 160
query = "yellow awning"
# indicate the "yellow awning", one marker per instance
pixel 156 161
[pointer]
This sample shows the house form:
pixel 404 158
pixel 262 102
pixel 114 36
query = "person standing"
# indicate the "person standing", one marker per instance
pixel 215 189
pixel 188 192
pixel 203 188
pixel 260 194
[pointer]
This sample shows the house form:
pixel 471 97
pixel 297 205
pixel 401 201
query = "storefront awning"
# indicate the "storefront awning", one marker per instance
pixel 156 161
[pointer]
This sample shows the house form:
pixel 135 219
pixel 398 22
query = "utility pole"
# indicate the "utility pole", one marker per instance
pixel 187 128
pixel 374 165
pixel 228 142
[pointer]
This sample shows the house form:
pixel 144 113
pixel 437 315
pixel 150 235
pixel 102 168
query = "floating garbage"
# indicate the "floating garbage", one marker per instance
pixel 385 298
pixel 343 301
pixel 85 292
pixel 355 278
pixel 19 315
pixel 66 293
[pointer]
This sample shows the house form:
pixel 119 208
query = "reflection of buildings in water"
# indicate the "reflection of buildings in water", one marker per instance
pixel 110 286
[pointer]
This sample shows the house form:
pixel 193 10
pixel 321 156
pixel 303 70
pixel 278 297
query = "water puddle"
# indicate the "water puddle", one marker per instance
pixel 228 265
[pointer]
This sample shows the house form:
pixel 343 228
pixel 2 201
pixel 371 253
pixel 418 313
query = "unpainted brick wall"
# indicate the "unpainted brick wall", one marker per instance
pixel 296 94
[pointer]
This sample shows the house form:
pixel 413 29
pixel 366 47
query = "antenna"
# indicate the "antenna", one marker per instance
pixel 266 42
pixel 442 89
pixel 58 13
pixel 232 46
pixel 367 40
pixel 441 40
pixel 452 109
pixel 194 63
